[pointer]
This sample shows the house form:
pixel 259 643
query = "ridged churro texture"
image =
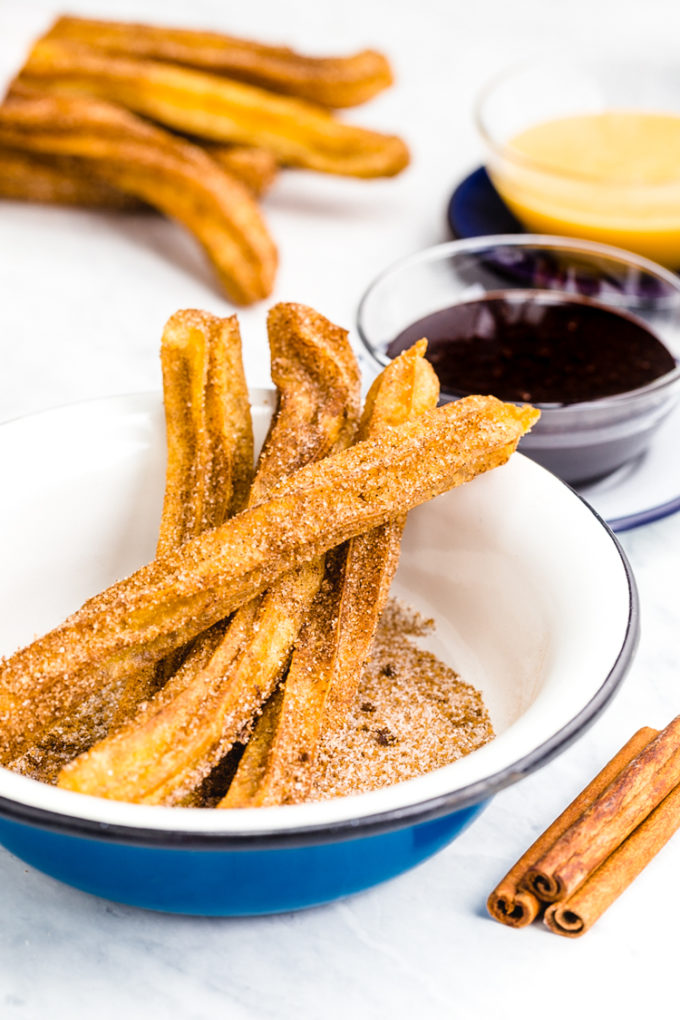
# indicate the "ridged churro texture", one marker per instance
pixel 256 168
pixel 209 442
pixel 64 180
pixel 171 744
pixel 209 470
pixel 178 178
pixel 209 432
pixel 299 133
pixel 57 180
pixel 329 81
pixel 166 603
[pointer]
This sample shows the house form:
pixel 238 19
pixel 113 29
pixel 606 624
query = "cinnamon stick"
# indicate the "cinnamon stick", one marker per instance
pixel 574 916
pixel 515 906
pixel 632 795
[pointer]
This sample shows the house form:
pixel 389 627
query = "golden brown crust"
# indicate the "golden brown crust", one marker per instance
pixel 171 744
pixel 276 759
pixel 213 108
pixel 209 441
pixel 317 378
pixel 209 432
pixel 335 641
pixel 166 603
pixel 329 81
pixel 256 168
pixel 172 175
pixel 174 740
pixel 27 177
pixel 61 180
pixel 209 467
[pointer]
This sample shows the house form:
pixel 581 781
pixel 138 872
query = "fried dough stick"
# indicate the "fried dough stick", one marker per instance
pixel 256 168
pixel 329 81
pixel 163 605
pixel 169 747
pixel 209 432
pixel 174 176
pixel 62 180
pixel 207 106
pixel 278 764
pixel 209 439
pixel 209 467
pixel 27 177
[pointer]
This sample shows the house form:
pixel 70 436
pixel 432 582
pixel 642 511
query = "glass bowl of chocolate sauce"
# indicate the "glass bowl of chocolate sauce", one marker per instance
pixel 588 333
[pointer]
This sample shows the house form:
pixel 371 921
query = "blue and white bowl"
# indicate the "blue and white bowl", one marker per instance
pixel 535 605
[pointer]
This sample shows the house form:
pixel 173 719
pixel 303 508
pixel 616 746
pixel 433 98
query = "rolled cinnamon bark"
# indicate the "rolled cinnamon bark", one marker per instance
pixel 603 827
pixel 574 916
pixel 515 906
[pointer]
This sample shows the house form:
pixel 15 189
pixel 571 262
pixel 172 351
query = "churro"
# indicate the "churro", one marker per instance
pixel 256 168
pixel 209 439
pixel 209 467
pixel 214 108
pixel 329 81
pixel 174 176
pixel 163 605
pixel 27 177
pixel 208 428
pixel 62 180
pixel 323 676
pixel 168 748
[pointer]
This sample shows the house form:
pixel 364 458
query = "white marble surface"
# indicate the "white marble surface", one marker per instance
pixel 84 300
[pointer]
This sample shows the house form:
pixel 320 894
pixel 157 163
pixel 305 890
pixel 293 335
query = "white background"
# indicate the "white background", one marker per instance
pixel 84 299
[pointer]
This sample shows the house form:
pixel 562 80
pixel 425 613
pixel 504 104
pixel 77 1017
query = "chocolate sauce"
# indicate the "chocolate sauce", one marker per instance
pixel 538 347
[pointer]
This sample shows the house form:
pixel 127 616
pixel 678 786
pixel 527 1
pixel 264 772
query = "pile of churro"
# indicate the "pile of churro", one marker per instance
pixel 254 622
pixel 193 124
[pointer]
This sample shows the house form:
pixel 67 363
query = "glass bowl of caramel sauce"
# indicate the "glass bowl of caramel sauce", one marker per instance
pixel 588 149
pixel 588 333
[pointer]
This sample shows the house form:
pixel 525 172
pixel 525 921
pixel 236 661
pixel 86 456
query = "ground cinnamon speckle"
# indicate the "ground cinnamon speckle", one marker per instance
pixel 412 714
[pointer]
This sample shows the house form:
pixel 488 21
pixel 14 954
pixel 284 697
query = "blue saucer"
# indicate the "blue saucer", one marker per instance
pixel 476 209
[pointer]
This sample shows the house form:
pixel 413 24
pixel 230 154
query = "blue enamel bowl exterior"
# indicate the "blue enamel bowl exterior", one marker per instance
pixel 224 882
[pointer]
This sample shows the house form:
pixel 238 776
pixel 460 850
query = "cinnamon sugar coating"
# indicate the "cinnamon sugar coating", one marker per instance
pixel 336 638
pixel 175 739
pixel 209 440
pixel 166 603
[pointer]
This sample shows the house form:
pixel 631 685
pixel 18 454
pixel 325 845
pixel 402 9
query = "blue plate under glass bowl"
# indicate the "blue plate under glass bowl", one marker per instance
pixel 476 209
pixel 535 605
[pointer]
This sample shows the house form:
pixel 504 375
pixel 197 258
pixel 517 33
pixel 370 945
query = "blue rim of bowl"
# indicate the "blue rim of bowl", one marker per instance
pixel 369 825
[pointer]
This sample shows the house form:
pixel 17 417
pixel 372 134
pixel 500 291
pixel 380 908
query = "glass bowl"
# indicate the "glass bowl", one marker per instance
pixel 627 203
pixel 581 441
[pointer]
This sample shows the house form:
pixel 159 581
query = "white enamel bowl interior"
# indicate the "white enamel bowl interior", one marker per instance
pixel 528 589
